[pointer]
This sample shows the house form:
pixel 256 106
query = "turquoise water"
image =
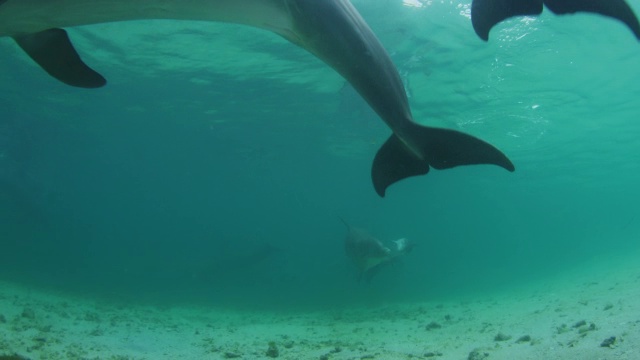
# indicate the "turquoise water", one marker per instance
pixel 214 142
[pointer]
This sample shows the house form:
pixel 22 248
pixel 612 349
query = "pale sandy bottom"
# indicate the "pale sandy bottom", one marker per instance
pixel 42 325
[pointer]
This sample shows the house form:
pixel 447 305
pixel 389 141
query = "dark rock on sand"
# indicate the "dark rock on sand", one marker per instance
pixel 501 337
pixel 584 329
pixel 477 355
pixel 579 324
pixel 28 313
pixel 273 351
pixel 609 342
pixel 523 339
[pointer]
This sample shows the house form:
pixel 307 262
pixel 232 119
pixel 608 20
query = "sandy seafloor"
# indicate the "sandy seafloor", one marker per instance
pixel 44 325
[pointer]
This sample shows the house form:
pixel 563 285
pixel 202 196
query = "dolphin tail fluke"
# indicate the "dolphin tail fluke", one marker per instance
pixel 439 148
pixel 617 9
pixel 485 14
pixel 394 162
pixel 53 51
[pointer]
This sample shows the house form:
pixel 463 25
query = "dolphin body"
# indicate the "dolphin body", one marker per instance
pixel 368 254
pixel 332 30
pixel 487 13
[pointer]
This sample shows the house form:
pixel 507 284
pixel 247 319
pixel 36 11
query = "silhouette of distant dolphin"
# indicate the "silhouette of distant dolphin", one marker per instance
pixel 368 254
pixel 332 30
pixel 487 13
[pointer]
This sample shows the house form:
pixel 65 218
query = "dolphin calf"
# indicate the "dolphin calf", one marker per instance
pixel 487 13
pixel 332 30
pixel 368 254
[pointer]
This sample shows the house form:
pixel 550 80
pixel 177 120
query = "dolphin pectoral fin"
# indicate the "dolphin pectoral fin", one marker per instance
pixel 617 9
pixel 485 14
pixel 439 148
pixel 53 51
pixel 394 162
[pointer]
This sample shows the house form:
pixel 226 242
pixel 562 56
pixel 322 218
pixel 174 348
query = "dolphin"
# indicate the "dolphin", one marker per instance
pixel 487 13
pixel 369 254
pixel 332 30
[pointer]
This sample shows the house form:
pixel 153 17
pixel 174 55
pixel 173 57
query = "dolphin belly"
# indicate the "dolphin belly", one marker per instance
pixel 18 17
